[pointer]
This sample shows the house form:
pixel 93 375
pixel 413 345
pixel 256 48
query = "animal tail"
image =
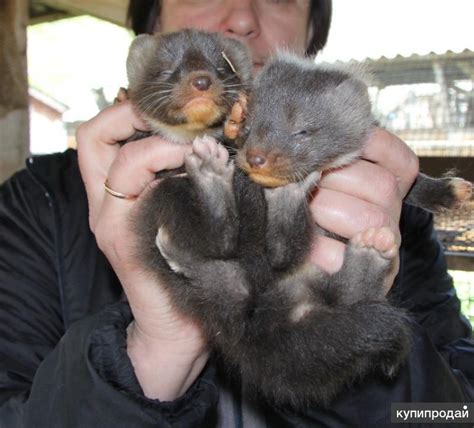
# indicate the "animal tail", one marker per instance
pixel 439 194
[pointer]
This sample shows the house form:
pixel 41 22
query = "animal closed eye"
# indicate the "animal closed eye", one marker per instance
pixel 305 132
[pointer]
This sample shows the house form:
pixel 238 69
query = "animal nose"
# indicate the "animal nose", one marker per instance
pixel 256 159
pixel 201 83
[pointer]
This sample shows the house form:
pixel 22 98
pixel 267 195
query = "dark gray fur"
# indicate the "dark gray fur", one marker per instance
pixel 241 274
pixel 304 117
pixel 232 256
pixel 159 65
pixel 307 117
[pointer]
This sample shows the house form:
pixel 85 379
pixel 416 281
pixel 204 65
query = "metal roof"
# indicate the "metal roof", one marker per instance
pixel 420 68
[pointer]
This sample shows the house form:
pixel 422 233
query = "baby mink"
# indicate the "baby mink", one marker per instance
pixel 188 83
pixel 232 253
pixel 318 119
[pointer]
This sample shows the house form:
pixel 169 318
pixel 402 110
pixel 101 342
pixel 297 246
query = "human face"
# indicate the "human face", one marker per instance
pixel 263 25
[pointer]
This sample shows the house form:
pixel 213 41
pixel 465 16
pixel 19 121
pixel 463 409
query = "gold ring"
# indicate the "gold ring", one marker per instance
pixel 117 194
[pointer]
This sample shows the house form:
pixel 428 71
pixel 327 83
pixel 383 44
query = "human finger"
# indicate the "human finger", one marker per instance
pixel 115 123
pixel 388 151
pixel 367 181
pixel 131 172
pixel 137 163
pixel 328 254
pixel 97 145
pixel 345 215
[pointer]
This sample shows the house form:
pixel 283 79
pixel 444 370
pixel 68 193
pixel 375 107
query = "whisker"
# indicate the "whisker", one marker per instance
pixel 157 88
pixel 157 82
pixel 228 103
pixel 153 107
pixel 232 91
pixel 228 78
pixel 160 84
pixel 157 95
pixel 230 149
pixel 154 94
pixel 233 85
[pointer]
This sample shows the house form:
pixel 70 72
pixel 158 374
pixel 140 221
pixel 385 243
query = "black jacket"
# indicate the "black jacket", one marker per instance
pixel 62 327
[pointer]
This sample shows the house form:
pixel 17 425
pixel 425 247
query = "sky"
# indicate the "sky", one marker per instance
pixel 372 28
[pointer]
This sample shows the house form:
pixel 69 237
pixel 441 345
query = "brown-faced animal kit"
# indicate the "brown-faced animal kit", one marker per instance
pixel 188 84
pixel 229 240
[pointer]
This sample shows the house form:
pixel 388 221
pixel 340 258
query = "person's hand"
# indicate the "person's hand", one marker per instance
pixel 365 194
pixel 167 349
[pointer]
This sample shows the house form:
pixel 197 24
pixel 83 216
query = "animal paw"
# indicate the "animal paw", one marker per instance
pixel 122 95
pixel 209 160
pixel 382 239
pixel 462 191
pixel 236 118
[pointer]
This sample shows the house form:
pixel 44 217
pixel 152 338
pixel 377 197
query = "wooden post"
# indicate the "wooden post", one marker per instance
pixel 111 10
pixel 14 122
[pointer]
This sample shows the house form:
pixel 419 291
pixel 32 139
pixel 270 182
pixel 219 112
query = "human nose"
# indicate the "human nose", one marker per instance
pixel 241 20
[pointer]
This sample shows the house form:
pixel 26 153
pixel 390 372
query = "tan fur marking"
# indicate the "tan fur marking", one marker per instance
pixel 263 176
pixel 267 180
pixel 201 111
pixel 237 117
pixel 462 189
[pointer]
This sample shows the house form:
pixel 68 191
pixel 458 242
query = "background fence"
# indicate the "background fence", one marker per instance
pixel 429 102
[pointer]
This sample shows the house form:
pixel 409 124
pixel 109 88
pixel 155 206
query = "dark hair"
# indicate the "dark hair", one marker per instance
pixel 142 15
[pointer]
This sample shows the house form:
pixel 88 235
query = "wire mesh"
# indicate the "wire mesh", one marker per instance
pixel 428 101
pixel 456 229
pixel 464 282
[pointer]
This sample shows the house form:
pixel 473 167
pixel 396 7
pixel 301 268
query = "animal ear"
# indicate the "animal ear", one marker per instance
pixel 352 95
pixel 239 56
pixel 350 99
pixel 352 87
pixel 139 53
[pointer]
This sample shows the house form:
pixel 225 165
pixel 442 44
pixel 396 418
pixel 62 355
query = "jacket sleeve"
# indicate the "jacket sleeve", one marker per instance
pixel 426 289
pixel 81 376
pixel 424 286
